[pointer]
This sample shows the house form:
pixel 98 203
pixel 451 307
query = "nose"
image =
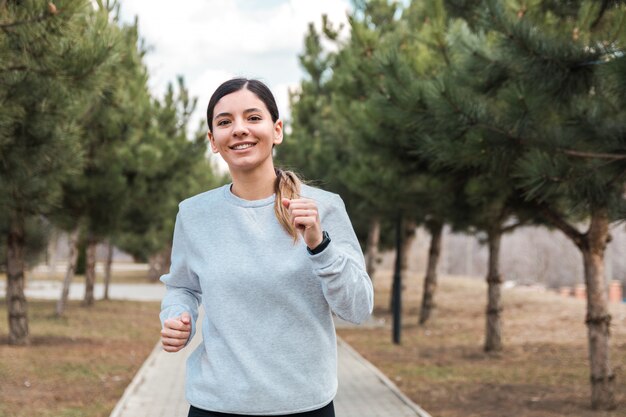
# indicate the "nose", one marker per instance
pixel 239 128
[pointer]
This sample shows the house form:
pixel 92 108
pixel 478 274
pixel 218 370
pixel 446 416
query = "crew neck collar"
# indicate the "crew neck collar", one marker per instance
pixel 238 201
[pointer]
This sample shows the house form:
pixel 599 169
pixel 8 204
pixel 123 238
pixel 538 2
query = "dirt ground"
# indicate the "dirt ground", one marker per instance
pixel 543 370
pixel 76 366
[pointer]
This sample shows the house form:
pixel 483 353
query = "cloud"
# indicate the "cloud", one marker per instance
pixel 209 41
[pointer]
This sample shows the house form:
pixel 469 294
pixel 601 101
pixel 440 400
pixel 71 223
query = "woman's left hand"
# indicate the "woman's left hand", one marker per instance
pixel 306 219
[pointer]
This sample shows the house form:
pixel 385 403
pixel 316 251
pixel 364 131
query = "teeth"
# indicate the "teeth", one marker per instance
pixel 243 146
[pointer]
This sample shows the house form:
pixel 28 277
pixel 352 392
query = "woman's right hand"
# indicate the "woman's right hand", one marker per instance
pixel 175 333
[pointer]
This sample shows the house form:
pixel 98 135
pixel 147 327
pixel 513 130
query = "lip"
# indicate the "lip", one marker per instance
pixel 233 146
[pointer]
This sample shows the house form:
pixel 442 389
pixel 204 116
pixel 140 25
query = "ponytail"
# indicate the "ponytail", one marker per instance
pixel 287 185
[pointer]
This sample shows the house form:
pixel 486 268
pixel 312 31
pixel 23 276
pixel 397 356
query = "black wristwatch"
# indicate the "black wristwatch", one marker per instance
pixel 321 246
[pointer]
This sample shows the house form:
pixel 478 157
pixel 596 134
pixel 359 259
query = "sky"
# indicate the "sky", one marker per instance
pixel 211 41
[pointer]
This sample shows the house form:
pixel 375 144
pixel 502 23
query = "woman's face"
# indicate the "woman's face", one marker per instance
pixel 243 131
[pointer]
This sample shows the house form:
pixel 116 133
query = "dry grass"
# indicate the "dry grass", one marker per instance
pixel 542 372
pixel 78 365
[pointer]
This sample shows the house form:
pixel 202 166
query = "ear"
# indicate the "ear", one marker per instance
pixel 212 142
pixel 278 132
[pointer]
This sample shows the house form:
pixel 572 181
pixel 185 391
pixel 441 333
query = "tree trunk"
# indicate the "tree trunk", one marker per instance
pixel 493 334
pixel 159 264
pixel 154 267
pixel 430 280
pixel 69 273
pixel 51 254
pixel 598 319
pixel 407 244
pixel 371 252
pixel 107 270
pixel 90 271
pixel 408 238
pixel 592 245
pixel 16 300
pixel 396 288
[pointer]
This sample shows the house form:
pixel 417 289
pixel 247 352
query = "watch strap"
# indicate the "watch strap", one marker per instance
pixel 323 244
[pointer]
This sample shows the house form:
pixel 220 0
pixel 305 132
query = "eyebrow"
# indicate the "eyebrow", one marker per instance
pixel 226 114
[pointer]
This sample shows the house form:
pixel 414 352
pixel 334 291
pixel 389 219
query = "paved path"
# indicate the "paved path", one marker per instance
pixel 158 388
pixel 51 290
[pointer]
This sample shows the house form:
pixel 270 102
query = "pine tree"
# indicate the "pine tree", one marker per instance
pixel 324 142
pixel 549 104
pixel 416 50
pixel 361 125
pixel 302 149
pixel 93 201
pixel 169 168
pixel 51 58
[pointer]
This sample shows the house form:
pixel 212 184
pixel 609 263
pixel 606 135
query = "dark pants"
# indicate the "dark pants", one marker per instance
pixel 326 411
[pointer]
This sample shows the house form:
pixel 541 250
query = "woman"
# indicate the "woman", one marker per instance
pixel 270 259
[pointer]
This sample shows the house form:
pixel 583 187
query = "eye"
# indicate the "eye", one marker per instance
pixel 223 122
pixel 255 118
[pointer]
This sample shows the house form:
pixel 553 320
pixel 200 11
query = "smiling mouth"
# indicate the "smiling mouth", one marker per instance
pixel 242 146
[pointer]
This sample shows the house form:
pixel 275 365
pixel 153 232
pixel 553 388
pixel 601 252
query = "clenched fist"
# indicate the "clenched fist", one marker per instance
pixel 176 332
pixel 305 218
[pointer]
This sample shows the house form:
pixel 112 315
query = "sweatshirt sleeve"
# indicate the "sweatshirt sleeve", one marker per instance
pixel 341 267
pixel 183 291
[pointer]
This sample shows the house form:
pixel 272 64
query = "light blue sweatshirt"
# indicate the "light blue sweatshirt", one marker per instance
pixel 269 343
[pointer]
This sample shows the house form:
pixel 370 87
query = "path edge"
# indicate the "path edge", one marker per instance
pixel 137 380
pixel 383 378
